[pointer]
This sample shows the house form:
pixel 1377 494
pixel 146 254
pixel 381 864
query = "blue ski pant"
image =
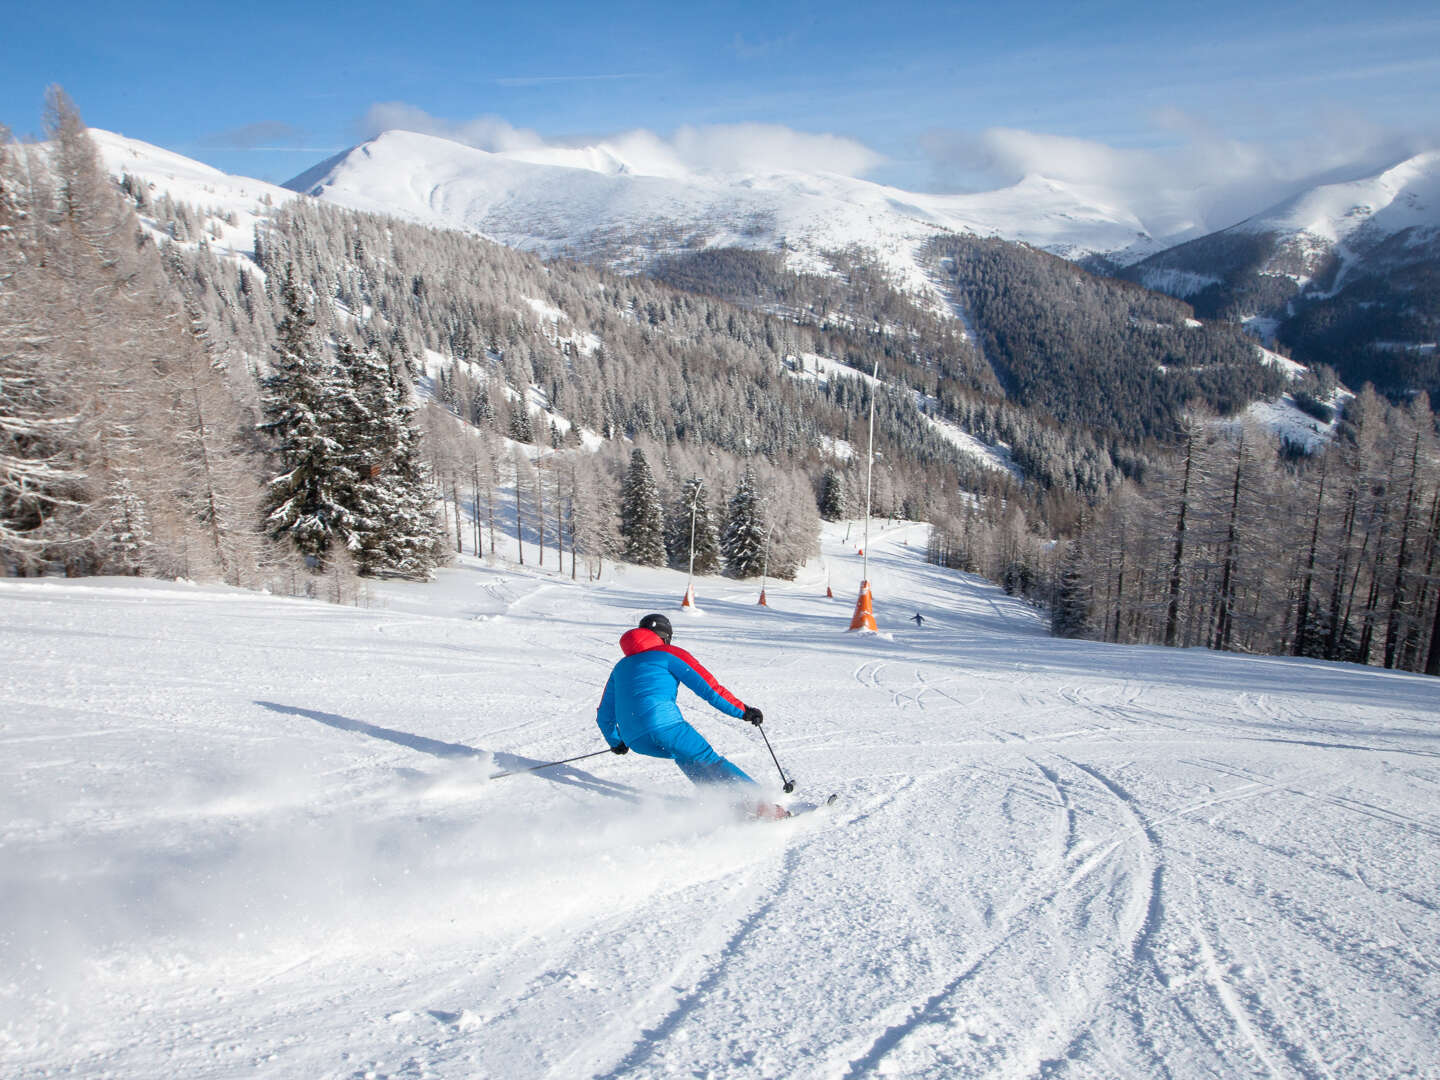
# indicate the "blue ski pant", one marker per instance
pixel 688 749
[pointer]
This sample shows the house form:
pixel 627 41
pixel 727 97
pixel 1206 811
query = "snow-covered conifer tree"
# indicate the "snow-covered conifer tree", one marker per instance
pixel 306 501
pixel 521 427
pixel 396 530
pixel 832 495
pixel 642 517
pixel 128 528
pixel 1070 613
pixel 745 529
pixel 482 411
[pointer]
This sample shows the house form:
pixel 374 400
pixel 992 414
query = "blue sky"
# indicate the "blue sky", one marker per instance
pixel 945 96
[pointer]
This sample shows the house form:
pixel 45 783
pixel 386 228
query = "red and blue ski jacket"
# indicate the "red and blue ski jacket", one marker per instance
pixel 640 694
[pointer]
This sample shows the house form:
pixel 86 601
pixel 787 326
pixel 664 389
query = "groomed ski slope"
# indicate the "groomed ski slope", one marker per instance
pixel 254 837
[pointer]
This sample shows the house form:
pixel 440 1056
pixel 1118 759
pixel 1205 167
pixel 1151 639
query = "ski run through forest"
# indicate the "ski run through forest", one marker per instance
pixel 248 832
pixel 256 836
pixel 207 377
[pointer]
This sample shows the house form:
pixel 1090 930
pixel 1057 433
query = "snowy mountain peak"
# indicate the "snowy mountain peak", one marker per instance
pixel 631 199
pixel 1405 195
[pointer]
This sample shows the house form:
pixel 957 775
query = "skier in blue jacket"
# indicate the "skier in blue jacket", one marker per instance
pixel 638 710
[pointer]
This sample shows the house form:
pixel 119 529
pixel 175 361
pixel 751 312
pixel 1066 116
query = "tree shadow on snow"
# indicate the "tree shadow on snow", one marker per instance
pixel 504 762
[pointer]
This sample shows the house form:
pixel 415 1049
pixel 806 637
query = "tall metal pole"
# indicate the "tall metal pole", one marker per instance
pixel 869 468
pixel 694 505
pixel 864 617
pixel 765 562
pixel 689 601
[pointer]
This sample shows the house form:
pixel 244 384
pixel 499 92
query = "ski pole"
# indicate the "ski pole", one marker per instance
pixel 549 764
pixel 788 785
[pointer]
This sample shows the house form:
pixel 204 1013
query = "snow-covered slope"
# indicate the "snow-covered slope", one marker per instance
pixel 1319 237
pixel 1342 274
pixel 596 202
pixel 1405 196
pixel 232 204
pixel 249 836
pixel 230 207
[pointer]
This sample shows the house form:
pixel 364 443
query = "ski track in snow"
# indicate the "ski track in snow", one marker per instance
pixel 246 836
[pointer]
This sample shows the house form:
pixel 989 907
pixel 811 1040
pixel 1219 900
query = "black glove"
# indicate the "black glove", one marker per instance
pixel 620 748
pixel 753 715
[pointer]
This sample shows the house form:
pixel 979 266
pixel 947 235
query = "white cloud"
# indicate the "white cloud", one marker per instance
pixel 729 148
pixel 758 147
pixel 483 132
pixel 1200 180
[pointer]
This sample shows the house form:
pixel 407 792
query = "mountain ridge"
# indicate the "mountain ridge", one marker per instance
pixel 1343 273
pixel 599 206
pixel 825 300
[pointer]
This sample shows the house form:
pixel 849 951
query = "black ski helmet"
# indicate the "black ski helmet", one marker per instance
pixel 659 624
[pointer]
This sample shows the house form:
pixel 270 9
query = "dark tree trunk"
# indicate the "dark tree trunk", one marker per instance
pixel 1303 636
pixel 1172 610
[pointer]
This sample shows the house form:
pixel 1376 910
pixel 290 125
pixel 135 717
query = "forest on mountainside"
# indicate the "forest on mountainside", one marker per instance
pixel 624 357
pixel 855 314
pixel 1094 351
pixel 1383 330
pixel 1373 315
pixel 514 348
pixel 1083 378
pixel 486 333
pixel 360 394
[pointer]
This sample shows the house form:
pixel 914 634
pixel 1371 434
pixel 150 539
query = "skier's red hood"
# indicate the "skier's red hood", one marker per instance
pixel 640 640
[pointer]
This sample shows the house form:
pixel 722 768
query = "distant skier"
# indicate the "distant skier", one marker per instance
pixel 918 619
pixel 638 711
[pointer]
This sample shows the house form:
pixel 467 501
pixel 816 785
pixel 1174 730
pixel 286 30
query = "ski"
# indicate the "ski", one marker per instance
pixel 801 809
pixel 776 812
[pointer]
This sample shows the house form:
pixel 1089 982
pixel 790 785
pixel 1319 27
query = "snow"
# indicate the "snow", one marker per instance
pixel 990 457
pixel 1403 196
pixel 625 206
pixel 253 836
pixel 246 200
pixel 547 311
pixel 1260 326
pixel 1352 220
pixel 1270 358
pixel 1286 420
pixel 536 400
pixel 587 343
pixel 811 365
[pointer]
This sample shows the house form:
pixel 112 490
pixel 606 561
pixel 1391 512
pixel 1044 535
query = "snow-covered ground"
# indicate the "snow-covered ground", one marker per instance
pixel 230 206
pixel 1286 420
pixel 246 836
